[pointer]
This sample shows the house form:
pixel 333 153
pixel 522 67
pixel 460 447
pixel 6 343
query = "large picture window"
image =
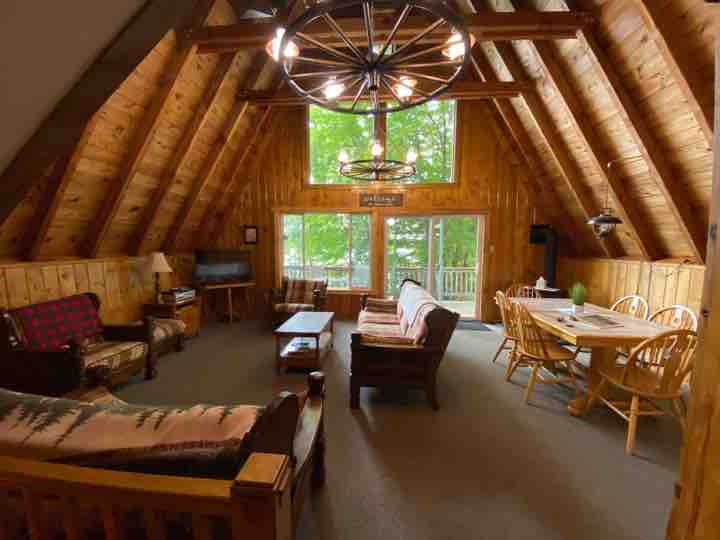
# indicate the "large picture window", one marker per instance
pixel 335 247
pixel 428 129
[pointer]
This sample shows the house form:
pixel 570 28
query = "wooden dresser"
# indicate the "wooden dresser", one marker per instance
pixel 189 313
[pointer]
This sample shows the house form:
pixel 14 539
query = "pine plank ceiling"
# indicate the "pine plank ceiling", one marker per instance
pixel 627 104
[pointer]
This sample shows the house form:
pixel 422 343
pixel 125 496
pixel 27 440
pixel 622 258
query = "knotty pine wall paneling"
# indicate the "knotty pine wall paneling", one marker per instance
pixel 661 283
pixel 122 284
pixel 488 183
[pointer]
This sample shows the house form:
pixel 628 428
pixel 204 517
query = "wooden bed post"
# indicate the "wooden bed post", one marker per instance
pixel 261 499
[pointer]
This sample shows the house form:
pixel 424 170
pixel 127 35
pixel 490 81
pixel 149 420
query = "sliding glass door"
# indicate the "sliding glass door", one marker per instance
pixel 440 252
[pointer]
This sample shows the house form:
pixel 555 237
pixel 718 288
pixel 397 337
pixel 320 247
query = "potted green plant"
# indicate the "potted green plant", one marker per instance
pixel 578 294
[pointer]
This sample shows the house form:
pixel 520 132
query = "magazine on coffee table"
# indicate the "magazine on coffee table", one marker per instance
pixel 599 321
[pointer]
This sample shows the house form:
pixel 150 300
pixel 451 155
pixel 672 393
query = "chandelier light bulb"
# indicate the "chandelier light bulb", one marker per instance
pixel 377 149
pixel 455 47
pixel 404 88
pixel 411 156
pixel 273 47
pixel 333 90
pixel 343 156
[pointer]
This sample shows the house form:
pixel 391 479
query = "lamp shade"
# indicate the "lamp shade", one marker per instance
pixel 157 263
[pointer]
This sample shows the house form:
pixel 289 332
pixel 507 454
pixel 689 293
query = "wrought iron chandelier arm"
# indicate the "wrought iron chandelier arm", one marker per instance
pixel 391 36
pixel 319 61
pixel 358 94
pixel 403 83
pixel 392 90
pixel 344 37
pixel 367 9
pixel 422 76
pixel 328 83
pixel 327 48
pixel 415 39
pixel 311 74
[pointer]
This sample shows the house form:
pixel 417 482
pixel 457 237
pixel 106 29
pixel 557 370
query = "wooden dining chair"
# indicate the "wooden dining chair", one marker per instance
pixel 510 335
pixel 678 317
pixel 633 304
pixel 521 290
pixel 654 372
pixel 537 351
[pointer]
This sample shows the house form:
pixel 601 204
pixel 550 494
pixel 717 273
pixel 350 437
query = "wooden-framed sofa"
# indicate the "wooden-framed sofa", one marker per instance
pixel 282 458
pixel 296 295
pixel 54 347
pixel 400 343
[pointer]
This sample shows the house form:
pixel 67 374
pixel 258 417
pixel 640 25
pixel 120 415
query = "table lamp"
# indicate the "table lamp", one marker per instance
pixel 158 264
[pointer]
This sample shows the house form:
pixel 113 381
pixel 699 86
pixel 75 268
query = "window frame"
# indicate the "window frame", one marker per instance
pixel 452 181
pixel 280 214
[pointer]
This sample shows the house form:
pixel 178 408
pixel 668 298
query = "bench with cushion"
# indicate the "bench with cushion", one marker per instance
pixel 296 295
pixel 52 348
pixel 400 342
pixel 237 460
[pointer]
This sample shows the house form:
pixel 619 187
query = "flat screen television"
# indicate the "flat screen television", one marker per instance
pixel 212 267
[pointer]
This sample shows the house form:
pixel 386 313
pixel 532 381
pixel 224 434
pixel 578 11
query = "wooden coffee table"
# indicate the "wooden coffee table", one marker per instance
pixel 310 335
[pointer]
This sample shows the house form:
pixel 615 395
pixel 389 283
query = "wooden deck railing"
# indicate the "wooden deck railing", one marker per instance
pixel 456 284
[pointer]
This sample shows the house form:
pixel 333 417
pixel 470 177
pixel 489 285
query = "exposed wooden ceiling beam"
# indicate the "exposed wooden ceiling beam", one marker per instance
pixel 58 182
pixel 690 222
pixel 182 151
pixel 228 196
pixel 569 171
pixel 625 205
pixel 64 126
pixel 531 161
pixel 460 90
pixel 218 151
pixel 486 26
pixel 661 32
pixel 144 134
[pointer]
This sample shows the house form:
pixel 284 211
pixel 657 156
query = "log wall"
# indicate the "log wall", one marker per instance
pixel 661 283
pixel 489 182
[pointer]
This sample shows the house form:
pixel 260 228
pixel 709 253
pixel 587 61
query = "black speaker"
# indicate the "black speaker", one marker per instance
pixel 546 235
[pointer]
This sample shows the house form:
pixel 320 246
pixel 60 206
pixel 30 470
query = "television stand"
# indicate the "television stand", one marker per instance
pixel 228 288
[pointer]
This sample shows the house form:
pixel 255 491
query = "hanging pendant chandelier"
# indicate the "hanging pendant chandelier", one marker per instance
pixel 377 169
pixel 604 223
pixel 373 56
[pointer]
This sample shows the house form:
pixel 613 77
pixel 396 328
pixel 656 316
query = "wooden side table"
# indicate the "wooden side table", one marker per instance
pixel 189 313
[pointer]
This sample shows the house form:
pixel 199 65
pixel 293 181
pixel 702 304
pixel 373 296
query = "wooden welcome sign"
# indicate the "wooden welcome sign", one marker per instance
pixel 385 200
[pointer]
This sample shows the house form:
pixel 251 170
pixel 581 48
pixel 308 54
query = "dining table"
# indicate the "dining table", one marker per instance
pixel 603 335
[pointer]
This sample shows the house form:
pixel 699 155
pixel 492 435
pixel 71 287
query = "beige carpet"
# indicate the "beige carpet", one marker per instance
pixel 486 466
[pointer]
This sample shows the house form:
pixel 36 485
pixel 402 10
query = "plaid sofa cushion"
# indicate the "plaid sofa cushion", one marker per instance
pixel 50 325
pixel 300 291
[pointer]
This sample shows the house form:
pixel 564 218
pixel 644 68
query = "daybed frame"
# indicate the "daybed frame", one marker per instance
pixel 263 502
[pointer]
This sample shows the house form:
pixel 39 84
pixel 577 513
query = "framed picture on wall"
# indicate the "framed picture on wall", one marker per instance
pixel 251 234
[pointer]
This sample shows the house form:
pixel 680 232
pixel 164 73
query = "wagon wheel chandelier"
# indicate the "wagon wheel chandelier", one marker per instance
pixel 377 169
pixel 363 56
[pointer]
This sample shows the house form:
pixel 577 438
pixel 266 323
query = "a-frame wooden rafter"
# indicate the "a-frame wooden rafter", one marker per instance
pixel 524 148
pixel 624 205
pixel 182 151
pixel 64 126
pixel 569 170
pixel 58 182
pixel 660 31
pixel 145 132
pixel 690 222
pixel 230 192
pixel 218 151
